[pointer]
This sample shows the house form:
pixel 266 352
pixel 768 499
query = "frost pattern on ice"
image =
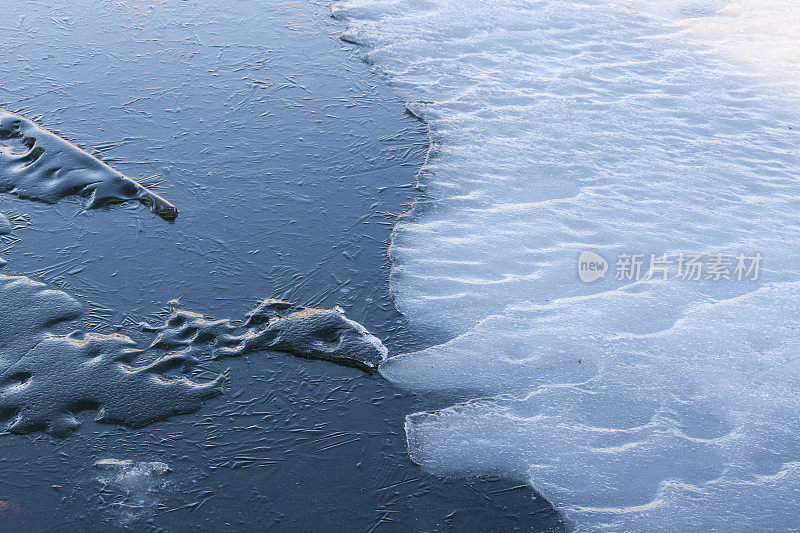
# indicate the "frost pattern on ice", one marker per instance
pixel 131 488
pixel 39 165
pixel 560 126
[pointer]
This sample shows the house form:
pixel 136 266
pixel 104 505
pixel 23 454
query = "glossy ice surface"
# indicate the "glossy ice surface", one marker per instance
pixel 288 161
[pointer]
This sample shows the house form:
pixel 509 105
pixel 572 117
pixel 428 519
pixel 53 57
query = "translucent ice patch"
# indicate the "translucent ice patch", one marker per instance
pixel 131 488
pixel 560 127
pixel 133 470
pixel 37 164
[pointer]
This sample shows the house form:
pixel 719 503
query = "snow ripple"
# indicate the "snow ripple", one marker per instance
pixel 559 126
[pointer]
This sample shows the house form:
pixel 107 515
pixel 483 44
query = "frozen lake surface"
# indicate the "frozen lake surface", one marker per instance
pixel 288 162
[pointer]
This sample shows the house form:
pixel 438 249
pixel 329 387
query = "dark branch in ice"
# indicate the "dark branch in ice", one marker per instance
pixel 38 165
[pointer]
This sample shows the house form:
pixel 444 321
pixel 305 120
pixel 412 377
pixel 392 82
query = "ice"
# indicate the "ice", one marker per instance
pixel 128 470
pixel 39 165
pixel 690 425
pixel 131 488
pixel 615 127
pixel 761 34
pixel 560 126
pixel 278 325
pixel 49 377
pixel 8 507
pixel 6 226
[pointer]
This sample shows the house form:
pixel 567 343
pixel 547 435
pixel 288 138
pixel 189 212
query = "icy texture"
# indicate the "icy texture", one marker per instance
pixel 688 425
pixel 761 34
pixel 128 470
pixel 29 310
pixel 47 378
pixel 560 126
pixel 8 507
pixel 5 225
pixel 39 165
pixel 79 372
pixel 132 487
pixel 275 325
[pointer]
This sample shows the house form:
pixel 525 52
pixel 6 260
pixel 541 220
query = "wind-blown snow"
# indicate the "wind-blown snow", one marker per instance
pixel 560 126
pixel 761 34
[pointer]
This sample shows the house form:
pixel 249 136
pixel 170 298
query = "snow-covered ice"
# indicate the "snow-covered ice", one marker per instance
pixel 763 35
pixel 619 127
